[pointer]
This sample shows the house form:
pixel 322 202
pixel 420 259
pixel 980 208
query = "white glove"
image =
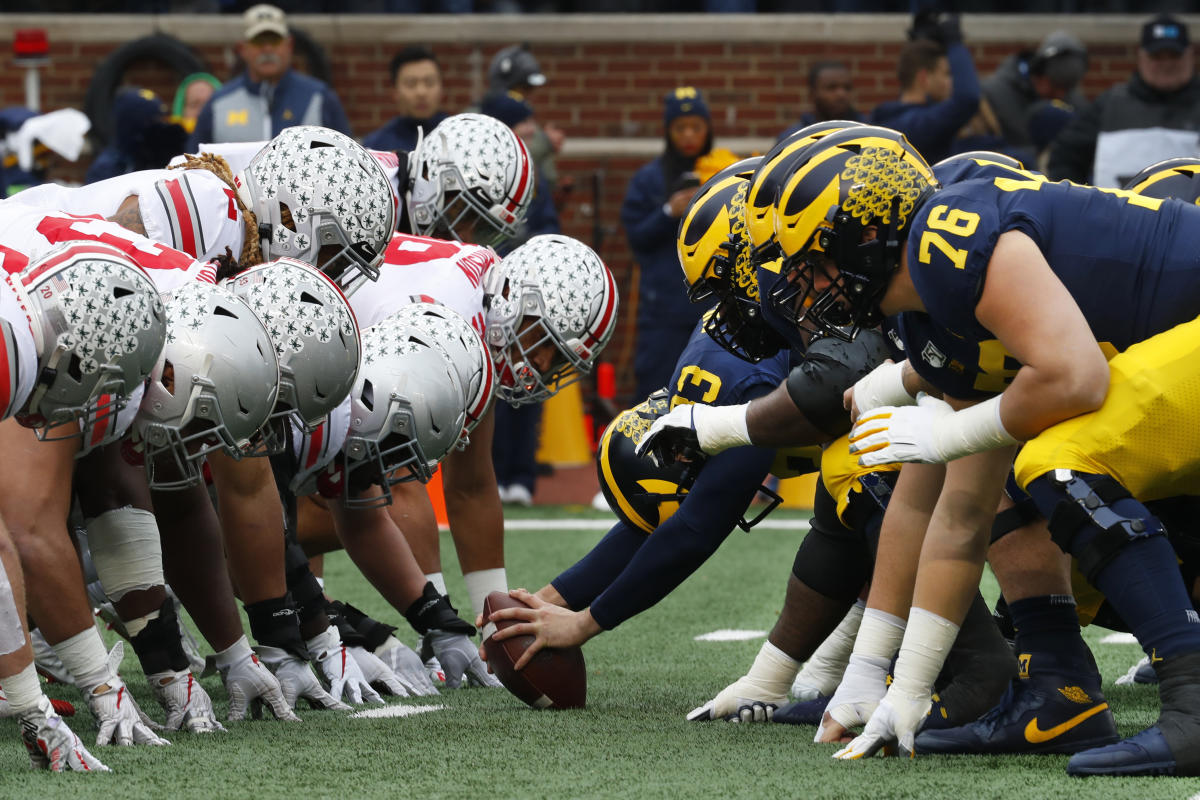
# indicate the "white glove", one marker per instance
pixel 296 680
pixel 860 691
pixel 895 721
pixel 121 721
pixel 460 661
pixel 406 665
pixel 377 673
pixel 882 386
pixel 929 433
pixel 250 685
pixel 711 429
pixel 52 745
pixel 185 701
pixel 340 669
pixel 754 696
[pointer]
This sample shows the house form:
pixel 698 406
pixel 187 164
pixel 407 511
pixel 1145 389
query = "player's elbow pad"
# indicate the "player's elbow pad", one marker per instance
pixel 830 367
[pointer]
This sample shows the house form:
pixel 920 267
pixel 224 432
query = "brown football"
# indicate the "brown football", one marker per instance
pixel 554 678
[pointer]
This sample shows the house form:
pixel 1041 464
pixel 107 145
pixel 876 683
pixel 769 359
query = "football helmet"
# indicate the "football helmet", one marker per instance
pixel 768 180
pixel 981 155
pixel 642 494
pixel 714 251
pixel 830 280
pixel 312 188
pixel 407 410
pixel 1174 178
pixel 551 292
pixel 98 327
pixel 315 336
pixel 213 389
pixel 464 348
pixel 471 170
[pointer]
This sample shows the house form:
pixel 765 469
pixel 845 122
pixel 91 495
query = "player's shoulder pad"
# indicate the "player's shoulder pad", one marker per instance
pixel 832 366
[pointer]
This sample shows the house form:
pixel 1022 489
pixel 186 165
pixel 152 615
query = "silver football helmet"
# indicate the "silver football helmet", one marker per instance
pixel 471 169
pixel 98 327
pixel 315 335
pixel 551 308
pixel 312 188
pixel 214 388
pixel 465 350
pixel 407 411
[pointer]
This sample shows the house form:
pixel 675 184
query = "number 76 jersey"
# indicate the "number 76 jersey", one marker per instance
pixel 1130 262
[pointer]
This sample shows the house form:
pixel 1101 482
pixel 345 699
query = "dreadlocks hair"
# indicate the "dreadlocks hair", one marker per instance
pixel 251 254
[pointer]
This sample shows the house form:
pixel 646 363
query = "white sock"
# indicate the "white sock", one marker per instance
pixel 438 580
pixel 85 658
pixel 23 690
pixel 483 582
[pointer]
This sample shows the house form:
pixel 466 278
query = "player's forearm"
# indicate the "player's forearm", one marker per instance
pixel 901 536
pixel 381 553
pixel 1041 397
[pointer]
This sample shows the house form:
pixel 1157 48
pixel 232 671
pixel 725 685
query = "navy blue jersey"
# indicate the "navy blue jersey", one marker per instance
pixel 965 169
pixel 1131 263
pixel 962 367
pixel 708 373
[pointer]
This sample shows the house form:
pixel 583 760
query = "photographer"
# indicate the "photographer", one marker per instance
pixel 657 197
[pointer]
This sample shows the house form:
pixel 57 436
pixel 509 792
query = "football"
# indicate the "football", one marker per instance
pixel 554 678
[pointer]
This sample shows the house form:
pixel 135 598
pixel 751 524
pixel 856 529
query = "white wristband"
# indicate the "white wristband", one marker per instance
pixel 720 427
pixel 972 430
pixel 882 386
pixel 879 634
pixel 927 642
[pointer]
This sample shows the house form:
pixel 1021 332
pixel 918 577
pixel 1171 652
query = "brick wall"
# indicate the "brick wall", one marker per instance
pixel 606 78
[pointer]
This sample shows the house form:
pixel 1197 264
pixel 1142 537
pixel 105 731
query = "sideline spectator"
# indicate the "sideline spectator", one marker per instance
pixel 939 90
pixel 1152 116
pixel 1034 93
pixel 193 94
pixel 514 448
pixel 832 91
pixel 417 87
pixel 657 197
pixel 269 96
pixel 143 138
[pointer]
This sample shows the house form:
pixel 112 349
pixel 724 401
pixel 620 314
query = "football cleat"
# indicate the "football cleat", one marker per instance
pixel 1035 715
pixel 802 712
pixel 1145 753
pixel 1141 672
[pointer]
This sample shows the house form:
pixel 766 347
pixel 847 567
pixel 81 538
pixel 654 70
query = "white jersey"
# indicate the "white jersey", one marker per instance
pixel 421 269
pixel 192 210
pixel 18 352
pixel 27 233
pixel 315 452
pixel 238 154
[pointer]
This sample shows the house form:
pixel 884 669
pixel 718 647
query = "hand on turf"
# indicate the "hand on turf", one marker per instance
pixel 895 722
pixel 460 661
pixel 185 701
pixel 860 691
pixel 341 671
pixel 891 433
pixel 744 700
pixel 377 674
pixel 296 680
pixel 407 666
pixel 121 721
pixel 250 685
pixel 550 625
pixel 52 745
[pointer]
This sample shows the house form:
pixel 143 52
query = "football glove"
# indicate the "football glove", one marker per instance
pixel 121 721
pixel 693 430
pixel 860 691
pixel 52 745
pixel 895 722
pixel 460 661
pixel 376 673
pixel 250 685
pixel 296 680
pixel 407 666
pixel 341 671
pixel 185 701
pixel 754 696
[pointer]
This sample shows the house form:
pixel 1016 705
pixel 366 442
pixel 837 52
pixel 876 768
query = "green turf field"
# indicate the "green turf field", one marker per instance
pixel 631 741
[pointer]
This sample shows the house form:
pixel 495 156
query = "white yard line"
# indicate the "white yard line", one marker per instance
pixel 1119 638
pixel 605 524
pixel 394 711
pixel 730 635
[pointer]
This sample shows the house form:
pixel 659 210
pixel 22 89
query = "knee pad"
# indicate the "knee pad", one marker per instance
pixel 126 551
pixel 1099 502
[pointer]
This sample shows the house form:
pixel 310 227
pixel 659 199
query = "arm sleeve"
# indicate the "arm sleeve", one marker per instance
pixel 583 581
pixel 335 115
pixel 645 223
pixel 1074 150
pixel 688 537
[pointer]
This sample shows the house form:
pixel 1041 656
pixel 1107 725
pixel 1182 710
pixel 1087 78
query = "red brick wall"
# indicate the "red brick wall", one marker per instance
pixel 598 89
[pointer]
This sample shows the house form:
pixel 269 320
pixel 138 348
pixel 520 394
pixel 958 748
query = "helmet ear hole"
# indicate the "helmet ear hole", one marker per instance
pixel 74 369
pixel 285 217
pixel 222 311
pixel 305 297
pixel 121 291
pixel 367 396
